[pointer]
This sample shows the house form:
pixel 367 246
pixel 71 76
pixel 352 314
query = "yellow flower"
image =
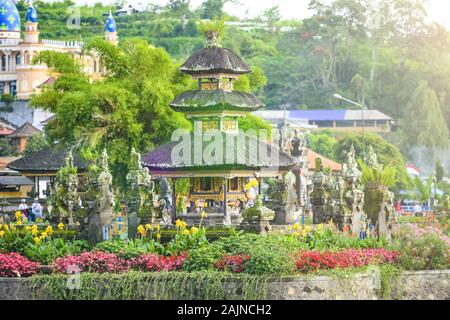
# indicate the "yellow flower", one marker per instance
pixel 6 227
pixel 158 236
pixel 148 226
pixel 44 235
pixel 296 227
pixel 296 234
pixel 19 223
pixel 13 228
pixel 194 230
pixel 204 215
pixel 49 230
pixel 308 229
pixel 18 215
pixel 178 223
pixel 61 226
pixel 141 229
pixel 186 232
pixel 37 240
pixel 304 233
pixel 2 233
pixel 27 228
pixel 157 227
pixel 319 227
pixel 34 231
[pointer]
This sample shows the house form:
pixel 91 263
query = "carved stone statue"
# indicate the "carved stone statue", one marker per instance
pixel 321 201
pixel 353 195
pixel 336 200
pixel 373 159
pixel 258 217
pixel 165 193
pixel 379 201
pixel 140 193
pixel 106 196
pixel 298 143
pixel 282 192
pixel 67 179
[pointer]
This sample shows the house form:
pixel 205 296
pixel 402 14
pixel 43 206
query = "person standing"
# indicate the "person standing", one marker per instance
pixel 36 210
pixel 23 208
pixel 417 210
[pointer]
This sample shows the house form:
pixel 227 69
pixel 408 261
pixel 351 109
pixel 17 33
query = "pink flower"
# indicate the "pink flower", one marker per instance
pixel 15 265
pixel 311 261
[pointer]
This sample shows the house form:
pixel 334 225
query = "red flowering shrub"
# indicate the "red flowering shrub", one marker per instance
pixel 99 262
pixel 153 262
pixel 311 261
pixel 15 265
pixel 234 264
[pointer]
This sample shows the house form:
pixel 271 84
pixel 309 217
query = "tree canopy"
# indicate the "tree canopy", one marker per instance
pixel 129 107
pixel 377 53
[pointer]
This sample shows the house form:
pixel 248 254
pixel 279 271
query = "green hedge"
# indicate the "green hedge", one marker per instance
pixel 157 285
pixel 211 234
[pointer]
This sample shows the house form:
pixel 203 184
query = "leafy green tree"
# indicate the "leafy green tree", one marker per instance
pixel 6 149
pixel 424 123
pixel 388 155
pixel 440 172
pixel 256 123
pixel 128 108
pixel 323 143
pixel 36 143
pixel 253 82
pixel 161 27
pixel 212 8
pixel 179 7
pixel 423 190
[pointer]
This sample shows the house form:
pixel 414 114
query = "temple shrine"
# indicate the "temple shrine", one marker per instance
pixel 217 186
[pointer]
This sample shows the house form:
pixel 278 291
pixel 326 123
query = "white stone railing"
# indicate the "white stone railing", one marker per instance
pixel 63 44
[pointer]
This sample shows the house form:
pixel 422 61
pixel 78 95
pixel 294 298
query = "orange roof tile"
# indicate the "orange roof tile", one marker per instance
pixel 327 163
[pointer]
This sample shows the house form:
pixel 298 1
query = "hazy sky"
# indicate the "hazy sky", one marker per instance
pixel 439 9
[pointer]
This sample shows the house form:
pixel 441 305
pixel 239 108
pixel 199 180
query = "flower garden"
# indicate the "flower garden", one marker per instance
pixel 47 255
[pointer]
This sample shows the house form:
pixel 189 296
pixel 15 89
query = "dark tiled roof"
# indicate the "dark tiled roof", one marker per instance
pixel 244 158
pixel 215 60
pixel 25 131
pixel 49 159
pixel 216 100
pixel 15 181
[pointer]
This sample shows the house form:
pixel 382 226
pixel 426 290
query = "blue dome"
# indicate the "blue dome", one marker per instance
pixel 110 25
pixel 9 16
pixel 31 14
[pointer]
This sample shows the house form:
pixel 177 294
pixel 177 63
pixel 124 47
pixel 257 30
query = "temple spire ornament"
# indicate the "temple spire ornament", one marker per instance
pixel 212 39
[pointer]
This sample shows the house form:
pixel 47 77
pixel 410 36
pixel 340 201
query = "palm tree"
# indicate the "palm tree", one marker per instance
pixel 423 190
pixel 162 27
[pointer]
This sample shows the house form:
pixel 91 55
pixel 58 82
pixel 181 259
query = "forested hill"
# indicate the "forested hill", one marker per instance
pixel 394 62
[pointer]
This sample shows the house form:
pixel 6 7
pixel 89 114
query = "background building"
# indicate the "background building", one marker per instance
pixel 341 120
pixel 19 77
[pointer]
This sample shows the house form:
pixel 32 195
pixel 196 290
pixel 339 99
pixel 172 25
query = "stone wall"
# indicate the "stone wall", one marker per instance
pixel 420 285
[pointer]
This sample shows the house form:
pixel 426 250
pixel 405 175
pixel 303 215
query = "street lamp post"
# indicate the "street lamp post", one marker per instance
pixel 363 108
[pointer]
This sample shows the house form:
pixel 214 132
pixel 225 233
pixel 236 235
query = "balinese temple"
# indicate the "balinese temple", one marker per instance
pixel 217 187
pixel 42 166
